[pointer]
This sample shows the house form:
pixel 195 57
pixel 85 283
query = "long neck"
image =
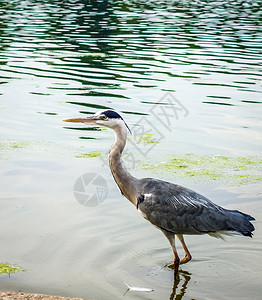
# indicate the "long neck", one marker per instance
pixel 124 180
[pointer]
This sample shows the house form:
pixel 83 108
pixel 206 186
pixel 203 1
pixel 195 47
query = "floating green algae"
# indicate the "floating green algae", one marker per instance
pixel 239 170
pixel 147 138
pixel 7 147
pixel 8 269
pixel 91 154
pixel 13 145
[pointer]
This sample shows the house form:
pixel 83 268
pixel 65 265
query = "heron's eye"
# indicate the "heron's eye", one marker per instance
pixel 104 117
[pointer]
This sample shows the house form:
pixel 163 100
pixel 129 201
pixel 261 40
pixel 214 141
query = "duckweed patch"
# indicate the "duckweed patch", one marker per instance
pixel 7 147
pixel 147 138
pixel 238 170
pixel 91 154
pixel 13 145
pixel 8 269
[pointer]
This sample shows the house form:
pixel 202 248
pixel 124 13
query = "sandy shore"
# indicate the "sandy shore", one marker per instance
pixel 26 296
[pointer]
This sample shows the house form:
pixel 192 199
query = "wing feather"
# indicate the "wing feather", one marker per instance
pixel 183 211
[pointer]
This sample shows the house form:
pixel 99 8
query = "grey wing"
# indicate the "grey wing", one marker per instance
pixel 183 211
pixel 179 214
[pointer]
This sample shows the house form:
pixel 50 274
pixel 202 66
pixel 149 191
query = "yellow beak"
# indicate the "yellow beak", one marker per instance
pixel 83 120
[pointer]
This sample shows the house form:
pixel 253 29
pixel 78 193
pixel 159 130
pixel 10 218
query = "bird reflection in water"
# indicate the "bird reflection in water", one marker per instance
pixel 180 276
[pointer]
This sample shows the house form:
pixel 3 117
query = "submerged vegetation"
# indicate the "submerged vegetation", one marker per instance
pixel 147 138
pixel 239 170
pixel 7 147
pixel 8 269
pixel 13 145
pixel 91 154
pixel 231 169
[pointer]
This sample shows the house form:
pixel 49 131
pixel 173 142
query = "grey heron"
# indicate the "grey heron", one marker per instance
pixel 174 209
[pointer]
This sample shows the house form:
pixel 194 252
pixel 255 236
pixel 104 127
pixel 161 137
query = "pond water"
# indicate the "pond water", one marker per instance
pixel 186 77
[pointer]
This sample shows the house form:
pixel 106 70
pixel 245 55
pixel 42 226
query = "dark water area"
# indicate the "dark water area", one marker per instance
pixel 127 56
pixel 189 74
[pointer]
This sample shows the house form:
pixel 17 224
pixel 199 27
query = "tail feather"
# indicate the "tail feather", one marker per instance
pixel 240 222
pixel 247 217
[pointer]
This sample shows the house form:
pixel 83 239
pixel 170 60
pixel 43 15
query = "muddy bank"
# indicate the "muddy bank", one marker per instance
pixel 27 296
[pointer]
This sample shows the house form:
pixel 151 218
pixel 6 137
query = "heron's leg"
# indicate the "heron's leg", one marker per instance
pixel 188 256
pixel 171 238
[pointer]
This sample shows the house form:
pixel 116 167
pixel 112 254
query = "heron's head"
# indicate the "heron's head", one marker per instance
pixel 107 118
